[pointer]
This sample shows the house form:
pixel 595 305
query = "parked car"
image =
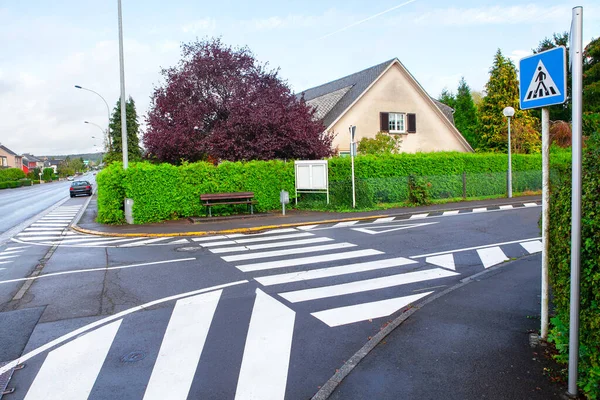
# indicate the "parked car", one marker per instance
pixel 70 178
pixel 80 187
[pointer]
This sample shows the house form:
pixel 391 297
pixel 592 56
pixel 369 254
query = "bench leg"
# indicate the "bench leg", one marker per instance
pixel 251 209
pixel 209 211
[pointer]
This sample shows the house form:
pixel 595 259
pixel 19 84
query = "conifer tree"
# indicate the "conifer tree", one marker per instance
pixel 465 113
pixel 133 143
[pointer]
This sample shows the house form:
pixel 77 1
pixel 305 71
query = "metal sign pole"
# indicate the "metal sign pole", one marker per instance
pixel 352 132
pixel 577 72
pixel 545 216
pixel 509 164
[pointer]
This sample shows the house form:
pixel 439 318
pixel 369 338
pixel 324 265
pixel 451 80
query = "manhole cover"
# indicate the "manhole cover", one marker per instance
pixel 134 356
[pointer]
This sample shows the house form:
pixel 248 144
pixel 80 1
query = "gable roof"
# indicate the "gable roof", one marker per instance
pixel 9 151
pixel 31 158
pixel 331 100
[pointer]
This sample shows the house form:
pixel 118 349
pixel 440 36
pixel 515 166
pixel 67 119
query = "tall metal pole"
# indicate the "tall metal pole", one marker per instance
pixel 107 113
pixel 577 72
pixel 545 217
pixel 352 132
pixel 123 100
pixel 509 164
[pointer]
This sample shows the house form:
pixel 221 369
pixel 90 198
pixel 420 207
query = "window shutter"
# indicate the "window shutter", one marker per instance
pixel 384 120
pixel 412 123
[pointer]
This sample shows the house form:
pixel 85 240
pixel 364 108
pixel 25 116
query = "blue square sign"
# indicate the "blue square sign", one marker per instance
pixel 543 79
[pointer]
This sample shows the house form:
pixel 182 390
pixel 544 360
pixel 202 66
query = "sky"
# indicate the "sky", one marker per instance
pixel 47 47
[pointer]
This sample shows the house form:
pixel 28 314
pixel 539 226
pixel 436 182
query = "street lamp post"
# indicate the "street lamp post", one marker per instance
pixel 101 130
pixel 107 112
pixel 123 99
pixel 508 113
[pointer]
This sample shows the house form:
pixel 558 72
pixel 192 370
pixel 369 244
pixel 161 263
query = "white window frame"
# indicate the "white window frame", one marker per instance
pixel 394 116
pixel 3 161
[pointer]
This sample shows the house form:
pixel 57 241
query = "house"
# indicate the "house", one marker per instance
pixel 385 97
pixel 9 159
pixel 30 162
pixel 53 163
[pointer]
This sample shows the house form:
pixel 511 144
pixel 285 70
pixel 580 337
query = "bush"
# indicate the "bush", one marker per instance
pixel 47 174
pixel 11 174
pixel 560 267
pixel 418 190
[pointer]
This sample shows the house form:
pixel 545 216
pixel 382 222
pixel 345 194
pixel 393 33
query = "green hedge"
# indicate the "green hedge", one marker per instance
pixel 164 191
pixel 11 174
pixel 15 184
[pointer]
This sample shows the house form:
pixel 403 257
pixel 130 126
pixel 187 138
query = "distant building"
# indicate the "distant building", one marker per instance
pixel 30 162
pixel 53 163
pixel 9 159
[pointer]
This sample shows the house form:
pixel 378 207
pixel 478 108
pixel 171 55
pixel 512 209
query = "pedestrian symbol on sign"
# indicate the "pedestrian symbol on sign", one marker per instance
pixel 541 85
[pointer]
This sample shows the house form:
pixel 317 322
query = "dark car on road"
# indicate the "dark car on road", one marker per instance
pixel 80 187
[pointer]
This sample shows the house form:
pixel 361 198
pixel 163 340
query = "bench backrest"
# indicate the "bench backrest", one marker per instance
pixel 224 196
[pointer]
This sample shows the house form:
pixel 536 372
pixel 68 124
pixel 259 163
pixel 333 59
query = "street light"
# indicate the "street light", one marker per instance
pixel 124 137
pixel 96 125
pixel 508 113
pixel 107 111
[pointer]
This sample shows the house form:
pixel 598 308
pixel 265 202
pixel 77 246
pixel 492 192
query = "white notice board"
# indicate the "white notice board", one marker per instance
pixel 311 177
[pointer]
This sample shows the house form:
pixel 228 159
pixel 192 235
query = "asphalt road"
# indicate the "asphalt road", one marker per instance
pixel 262 316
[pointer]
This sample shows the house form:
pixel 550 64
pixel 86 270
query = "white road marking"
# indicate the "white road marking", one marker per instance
pixel 445 261
pixel 47 233
pixel 307 260
pixel 362 312
pixel 96 270
pixel 383 220
pixel 46 225
pixel 143 242
pixel 5 257
pixel 5 252
pixel 333 271
pixel 417 216
pixel 532 247
pixel 506 207
pixel 271 245
pixel 106 320
pixel 5 262
pixel 491 256
pixel 70 371
pixel 257 239
pixel 40 238
pixel 110 241
pixel 375 230
pixel 306 227
pixel 344 224
pixel 180 241
pixel 44 229
pixel 181 347
pixel 481 209
pixel 15 248
pixel 530 204
pixel 365 285
pixel 265 363
pixel 474 247
pixel 287 252
pixel 453 212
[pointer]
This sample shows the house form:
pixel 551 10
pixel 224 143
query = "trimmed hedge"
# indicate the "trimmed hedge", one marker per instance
pixel 11 174
pixel 15 184
pixel 164 191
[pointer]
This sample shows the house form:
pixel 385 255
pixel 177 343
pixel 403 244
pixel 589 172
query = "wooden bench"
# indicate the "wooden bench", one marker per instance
pixel 217 199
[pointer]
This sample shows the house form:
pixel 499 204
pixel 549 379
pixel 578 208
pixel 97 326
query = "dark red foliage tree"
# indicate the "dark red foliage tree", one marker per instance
pixel 219 102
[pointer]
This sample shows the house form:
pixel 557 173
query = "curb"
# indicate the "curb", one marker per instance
pixel 77 228
pixel 329 387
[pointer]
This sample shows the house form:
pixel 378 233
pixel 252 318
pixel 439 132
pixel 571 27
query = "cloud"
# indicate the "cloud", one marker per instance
pixel 516 55
pixel 201 25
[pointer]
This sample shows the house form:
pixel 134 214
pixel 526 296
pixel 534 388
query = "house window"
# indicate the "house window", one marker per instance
pixel 3 162
pixel 396 123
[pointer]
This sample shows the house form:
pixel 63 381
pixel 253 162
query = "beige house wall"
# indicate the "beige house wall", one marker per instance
pixel 396 91
pixel 12 161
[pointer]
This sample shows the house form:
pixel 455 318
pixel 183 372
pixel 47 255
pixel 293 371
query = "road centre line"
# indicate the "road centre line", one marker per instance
pixel 333 271
pixel 271 245
pixel 31 278
pixel 286 252
pixel 365 285
pixel 475 247
pixel 106 320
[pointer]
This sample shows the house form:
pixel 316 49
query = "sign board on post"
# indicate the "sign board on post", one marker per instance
pixel 543 79
pixel 311 177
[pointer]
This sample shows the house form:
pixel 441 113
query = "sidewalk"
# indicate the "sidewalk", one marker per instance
pixel 471 343
pixel 246 223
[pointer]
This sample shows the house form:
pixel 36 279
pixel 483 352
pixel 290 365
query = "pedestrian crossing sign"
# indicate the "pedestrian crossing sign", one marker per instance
pixel 543 79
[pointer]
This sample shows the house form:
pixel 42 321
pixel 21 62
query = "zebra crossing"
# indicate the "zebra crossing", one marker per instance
pixel 10 254
pixel 53 229
pixel 268 256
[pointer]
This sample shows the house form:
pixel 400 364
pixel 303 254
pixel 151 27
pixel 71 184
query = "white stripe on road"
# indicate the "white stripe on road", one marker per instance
pixel 362 312
pixel 45 225
pixel 343 224
pixel 181 347
pixel 333 271
pixel 55 220
pixel 530 204
pixel 506 207
pixel 365 285
pixel 475 247
pixel 445 261
pixel 5 252
pixel 47 233
pixel 258 239
pixel 266 359
pixel 6 257
pixel 204 239
pixel 491 256
pixel 307 260
pixel 96 270
pixel 44 229
pixel 287 252
pixel 40 238
pixel 383 220
pixel 532 247
pixel 5 262
pixel 417 216
pixel 70 371
pixel 481 209
pixel 15 248
pixel 453 212
pixel 271 245
pixel 144 242
pixel 306 227
pixel 111 241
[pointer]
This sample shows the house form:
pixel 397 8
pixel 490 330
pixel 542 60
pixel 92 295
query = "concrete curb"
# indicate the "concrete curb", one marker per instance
pixel 329 387
pixel 77 228
pixel 82 210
